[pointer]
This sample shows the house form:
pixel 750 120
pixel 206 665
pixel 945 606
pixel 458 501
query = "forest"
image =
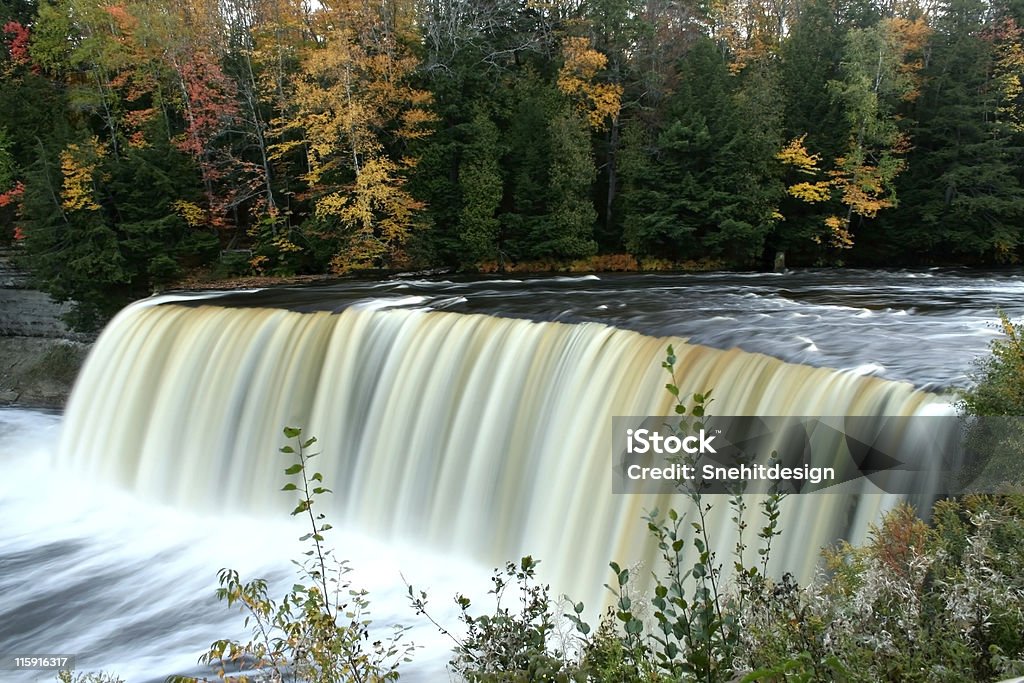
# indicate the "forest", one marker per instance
pixel 142 139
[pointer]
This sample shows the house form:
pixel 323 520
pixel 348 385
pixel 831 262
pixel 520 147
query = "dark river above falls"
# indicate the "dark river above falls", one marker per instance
pixel 922 326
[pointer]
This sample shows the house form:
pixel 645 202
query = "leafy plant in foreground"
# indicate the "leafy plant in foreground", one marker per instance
pixel 320 630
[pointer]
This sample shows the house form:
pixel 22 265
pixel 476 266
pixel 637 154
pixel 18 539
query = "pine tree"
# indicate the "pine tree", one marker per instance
pixel 962 194
pixel 481 189
pixel 569 232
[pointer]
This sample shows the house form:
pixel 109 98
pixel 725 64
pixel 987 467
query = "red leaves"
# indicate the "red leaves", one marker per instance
pixel 12 195
pixel 211 103
pixel 17 44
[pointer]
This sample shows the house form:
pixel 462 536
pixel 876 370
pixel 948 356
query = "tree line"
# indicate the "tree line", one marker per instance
pixel 139 138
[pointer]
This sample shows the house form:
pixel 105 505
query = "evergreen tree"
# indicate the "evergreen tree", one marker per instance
pixel 708 185
pixel 568 231
pixel 962 193
pixel 527 111
pixel 71 251
pixel 810 60
pixel 481 189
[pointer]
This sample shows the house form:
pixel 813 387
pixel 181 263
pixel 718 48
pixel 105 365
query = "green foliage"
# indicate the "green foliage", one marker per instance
pixel 91 677
pixel 999 377
pixel 514 643
pixel 572 215
pixel 996 446
pixel 705 182
pixel 504 168
pixel 132 243
pixel 481 188
pixel 916 603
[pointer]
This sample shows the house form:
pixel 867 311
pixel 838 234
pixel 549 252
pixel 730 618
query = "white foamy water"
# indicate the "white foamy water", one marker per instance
pixel 127 584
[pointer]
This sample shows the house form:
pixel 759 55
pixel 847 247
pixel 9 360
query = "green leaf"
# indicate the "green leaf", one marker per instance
pixel 289 487
pixel 292 432
pixel 294 469
pixel 287 449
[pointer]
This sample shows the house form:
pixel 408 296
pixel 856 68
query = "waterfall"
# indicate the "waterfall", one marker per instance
pixel 482 436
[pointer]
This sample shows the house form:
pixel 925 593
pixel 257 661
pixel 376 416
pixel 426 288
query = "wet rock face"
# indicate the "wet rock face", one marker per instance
pixel 38 371
pixel 30 313
pixel 25 312
pixel 39 355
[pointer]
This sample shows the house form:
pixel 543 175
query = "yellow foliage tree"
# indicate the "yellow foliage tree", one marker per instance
pixel 353 108
pixel 579 79
pixel 1009 73
pixel 795 154
pixel 378 213
pixel 77 165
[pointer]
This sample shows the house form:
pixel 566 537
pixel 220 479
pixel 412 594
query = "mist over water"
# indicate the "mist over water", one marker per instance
pixel 110 550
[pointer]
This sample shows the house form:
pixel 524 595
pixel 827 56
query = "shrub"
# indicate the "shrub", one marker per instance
pixel 996 446
pixel 999 377
pixel 687 630
pixel 93 677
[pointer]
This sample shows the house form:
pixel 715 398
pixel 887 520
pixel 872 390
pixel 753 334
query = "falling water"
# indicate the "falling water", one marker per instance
pixel 481 436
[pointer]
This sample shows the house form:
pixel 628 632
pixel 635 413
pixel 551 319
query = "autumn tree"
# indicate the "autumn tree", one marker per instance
pixel 880 69
pixel 356 111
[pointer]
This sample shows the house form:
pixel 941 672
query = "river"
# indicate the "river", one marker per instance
pixel 121 572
